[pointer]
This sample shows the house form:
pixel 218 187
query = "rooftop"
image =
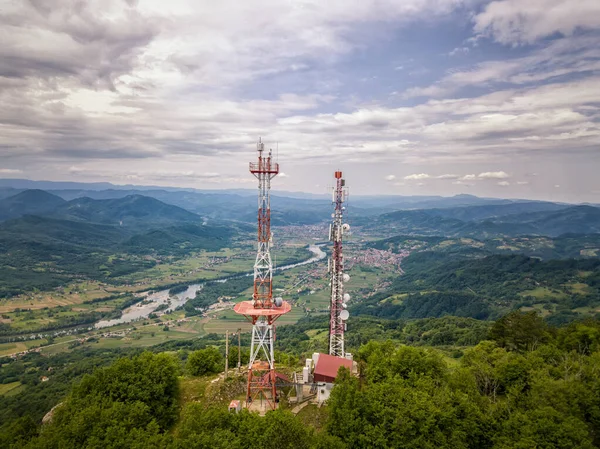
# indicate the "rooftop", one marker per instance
pixel 328 365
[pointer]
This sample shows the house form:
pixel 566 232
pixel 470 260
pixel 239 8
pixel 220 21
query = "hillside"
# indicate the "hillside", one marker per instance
pixel 483 221
pixel 467 283
pixel 490 211
pixel 571 220
pixel 29 202
pixel 99 240
pixel 132 210
pixel 566 246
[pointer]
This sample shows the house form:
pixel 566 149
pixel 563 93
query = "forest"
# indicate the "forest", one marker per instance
pixel 520 383
pixel 461 281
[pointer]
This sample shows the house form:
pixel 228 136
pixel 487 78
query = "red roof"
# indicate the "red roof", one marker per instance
pixel 328 365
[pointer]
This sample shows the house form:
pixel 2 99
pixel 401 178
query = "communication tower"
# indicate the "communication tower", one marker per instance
pixel 263 310
pixel 337 307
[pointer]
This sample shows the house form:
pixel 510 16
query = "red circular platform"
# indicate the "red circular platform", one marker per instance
pixel 248 309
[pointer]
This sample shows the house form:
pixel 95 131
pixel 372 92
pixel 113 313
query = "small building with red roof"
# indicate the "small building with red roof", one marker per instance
pixel 327 366
pixel 325 371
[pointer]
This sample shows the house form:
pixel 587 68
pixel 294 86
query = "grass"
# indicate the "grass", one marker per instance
pixel 6 389
pixel 313 416
pixel 578 288
pixel 19 346
pixel 543 292
pixel 539 308
pixel 192 389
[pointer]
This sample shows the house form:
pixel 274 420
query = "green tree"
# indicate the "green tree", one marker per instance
pixel 519 331
pixel 205 361
pixel 543 428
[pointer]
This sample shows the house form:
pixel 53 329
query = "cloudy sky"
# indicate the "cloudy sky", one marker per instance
pixel 407 97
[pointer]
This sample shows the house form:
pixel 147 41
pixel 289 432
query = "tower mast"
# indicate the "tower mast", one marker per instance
pixel 337 307
pixel 263 310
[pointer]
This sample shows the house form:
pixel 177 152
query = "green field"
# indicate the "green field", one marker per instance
pixel 544 292
pixel 11 388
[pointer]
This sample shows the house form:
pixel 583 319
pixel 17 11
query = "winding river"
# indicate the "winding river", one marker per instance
pixel 152 301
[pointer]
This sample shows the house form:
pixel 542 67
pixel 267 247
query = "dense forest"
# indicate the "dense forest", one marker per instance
pixel 446 279
pixel 526 385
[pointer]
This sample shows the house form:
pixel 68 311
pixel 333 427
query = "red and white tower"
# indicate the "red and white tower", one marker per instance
pixel 337 307
pixel 263 310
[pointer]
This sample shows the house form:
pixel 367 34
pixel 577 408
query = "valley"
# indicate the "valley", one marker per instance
pixel 94 279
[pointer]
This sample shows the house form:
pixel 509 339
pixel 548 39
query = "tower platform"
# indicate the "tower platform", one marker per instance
pixel 247 308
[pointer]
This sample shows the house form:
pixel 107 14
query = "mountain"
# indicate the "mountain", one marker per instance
pixel 132 210
pixel 438 283
pixel 491 211
pixel 398 202
pixel 5 192
pixel 29 202
pixel 570 220
pixel 46 232
pixel 180 239
pixel 552 222
pixel 419 222
pixel 104 240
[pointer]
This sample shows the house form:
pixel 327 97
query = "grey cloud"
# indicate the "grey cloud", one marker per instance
pixel 45 39
pixel 109 153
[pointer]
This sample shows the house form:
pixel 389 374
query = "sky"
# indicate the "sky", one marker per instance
pixel 406 97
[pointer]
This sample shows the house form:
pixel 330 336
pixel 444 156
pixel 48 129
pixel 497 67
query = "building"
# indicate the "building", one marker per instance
pixel 326 369
pixel 235 406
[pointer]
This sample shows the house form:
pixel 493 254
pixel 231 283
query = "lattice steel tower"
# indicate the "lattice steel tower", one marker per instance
pixel 337 306
pixel 263 310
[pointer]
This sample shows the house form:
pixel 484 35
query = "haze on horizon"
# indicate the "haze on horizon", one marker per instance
pixel 407 97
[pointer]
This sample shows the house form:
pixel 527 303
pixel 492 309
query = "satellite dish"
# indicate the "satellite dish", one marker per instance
pixel 346 227
pixel 278 302
pixel 344 305
pixel 344 315
pixel 346 297
pixel 346 277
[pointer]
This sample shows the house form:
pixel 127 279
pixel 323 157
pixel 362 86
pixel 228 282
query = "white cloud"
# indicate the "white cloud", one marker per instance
pixel 390 177
pixel 463 183
pixel 10 171
pixel 468 178
pixel 493 175
pixel 459 51
pixel 522 183
pixel 559 58
pixel 417 176
pixel 504 183
pixel 283 175
pixel 447 176
pixel 524 22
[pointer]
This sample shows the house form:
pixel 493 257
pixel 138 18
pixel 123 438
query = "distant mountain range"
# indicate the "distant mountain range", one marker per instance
pixel 428 215
pixel 535 218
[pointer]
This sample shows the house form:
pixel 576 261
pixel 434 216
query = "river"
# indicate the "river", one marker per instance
pixel 152 301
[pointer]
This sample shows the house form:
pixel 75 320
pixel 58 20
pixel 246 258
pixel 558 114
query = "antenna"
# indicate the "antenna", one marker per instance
pixel 337 306
pixel 262 310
